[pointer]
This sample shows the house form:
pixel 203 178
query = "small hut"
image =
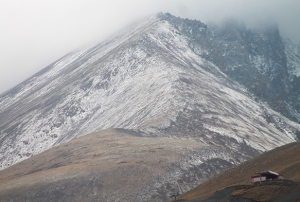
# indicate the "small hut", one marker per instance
pixel 266 175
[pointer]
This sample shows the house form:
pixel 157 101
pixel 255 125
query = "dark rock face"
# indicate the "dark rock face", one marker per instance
pixel 254 58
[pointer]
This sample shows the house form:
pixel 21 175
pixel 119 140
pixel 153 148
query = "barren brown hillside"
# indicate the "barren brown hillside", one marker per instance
pixel 236 181
pixel 111 165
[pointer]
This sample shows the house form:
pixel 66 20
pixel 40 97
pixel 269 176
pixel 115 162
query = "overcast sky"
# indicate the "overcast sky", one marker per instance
pixel 35 33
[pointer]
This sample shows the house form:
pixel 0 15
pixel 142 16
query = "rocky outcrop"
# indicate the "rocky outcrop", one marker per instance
pixel 259 59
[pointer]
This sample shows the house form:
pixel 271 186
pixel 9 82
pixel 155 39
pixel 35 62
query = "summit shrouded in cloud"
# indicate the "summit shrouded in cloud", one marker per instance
pixel 168 102
pixel 36 33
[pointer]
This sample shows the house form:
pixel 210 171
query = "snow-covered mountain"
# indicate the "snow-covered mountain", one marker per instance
pixel 161 77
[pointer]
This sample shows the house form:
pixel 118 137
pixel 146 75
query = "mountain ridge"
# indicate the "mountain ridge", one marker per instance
pixel 155 79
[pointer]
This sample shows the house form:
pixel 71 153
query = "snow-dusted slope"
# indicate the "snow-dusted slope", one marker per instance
pixel 292 52
pixel 146 78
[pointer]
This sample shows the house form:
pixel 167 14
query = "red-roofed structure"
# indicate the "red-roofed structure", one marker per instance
pixel 266 175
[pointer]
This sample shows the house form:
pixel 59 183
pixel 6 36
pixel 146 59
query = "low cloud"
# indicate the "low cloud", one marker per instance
pixel 35 33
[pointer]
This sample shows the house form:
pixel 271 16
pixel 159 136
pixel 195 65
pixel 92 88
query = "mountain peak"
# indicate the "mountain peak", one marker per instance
pixel 162 77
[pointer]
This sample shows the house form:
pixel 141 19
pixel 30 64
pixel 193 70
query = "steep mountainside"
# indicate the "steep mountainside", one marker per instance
pixel 293 62
pixel 258 59
pixel 234 184
pixel 155 78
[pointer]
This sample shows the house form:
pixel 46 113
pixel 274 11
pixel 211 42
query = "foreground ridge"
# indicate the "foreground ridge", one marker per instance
pixel 234 183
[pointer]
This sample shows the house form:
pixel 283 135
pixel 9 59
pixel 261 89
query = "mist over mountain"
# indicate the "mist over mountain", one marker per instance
pixel 230 90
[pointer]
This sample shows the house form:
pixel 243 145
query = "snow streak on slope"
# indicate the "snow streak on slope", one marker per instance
pixel 293 54
pixel 146 78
